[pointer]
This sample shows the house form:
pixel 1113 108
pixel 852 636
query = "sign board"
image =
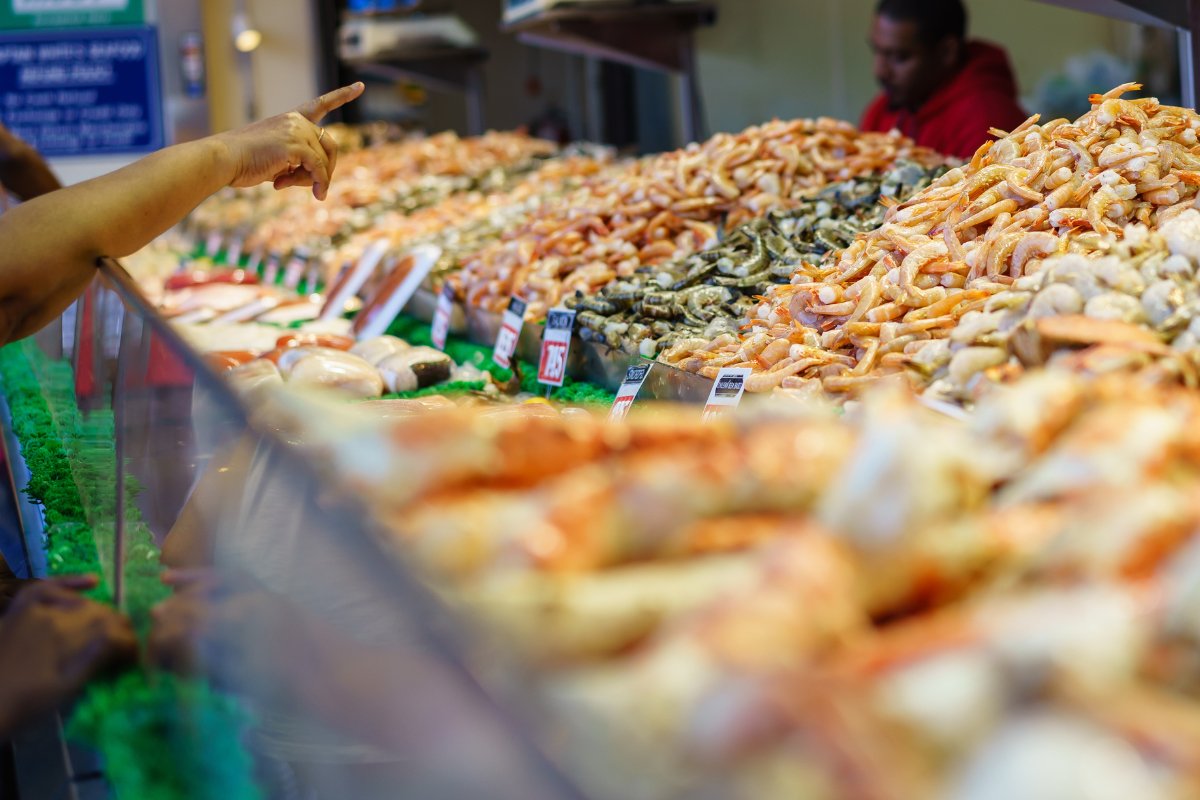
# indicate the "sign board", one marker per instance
pixel 556 344
pixel 82 93
pixel 510 332
pixel 441 317
pixel 635 376
pixel 726 393
pixel 26 14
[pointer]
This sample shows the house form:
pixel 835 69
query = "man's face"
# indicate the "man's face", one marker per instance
pixel 909 69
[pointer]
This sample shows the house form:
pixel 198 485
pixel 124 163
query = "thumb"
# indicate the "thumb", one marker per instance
pixel 315 110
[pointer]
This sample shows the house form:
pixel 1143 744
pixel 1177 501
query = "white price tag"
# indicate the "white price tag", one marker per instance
pixel 726 393
pixel 510 332
pixel 556 345
pixel 295 271
pixel 256 259
pixel 395 290
pixel 271 273
pixel 441 317
pixel 233 254
pixel 213 245
pixel 635 376
pixel 351 279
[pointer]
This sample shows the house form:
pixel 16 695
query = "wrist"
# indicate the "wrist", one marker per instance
pixel 223 158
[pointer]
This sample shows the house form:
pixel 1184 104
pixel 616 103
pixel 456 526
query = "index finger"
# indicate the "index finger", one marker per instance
pixel 315 110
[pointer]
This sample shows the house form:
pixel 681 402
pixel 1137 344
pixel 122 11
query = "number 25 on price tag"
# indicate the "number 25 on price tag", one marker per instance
pixel 441 317
pixel 510 332
pixel 556 344
pixel 726 393
pixel 635 376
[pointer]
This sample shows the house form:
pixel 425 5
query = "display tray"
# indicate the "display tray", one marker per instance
pixel 670 384
pixel 423 305
pixel 602 365
pixel 484 326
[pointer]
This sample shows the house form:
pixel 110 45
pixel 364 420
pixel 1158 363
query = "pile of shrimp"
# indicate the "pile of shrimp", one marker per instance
pixel 442 222
pixel 671 205
pixel 795 603
pixel 405 174
pixel 1040 190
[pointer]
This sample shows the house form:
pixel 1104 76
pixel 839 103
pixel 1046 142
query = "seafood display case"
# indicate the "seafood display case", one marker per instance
pixel 350 678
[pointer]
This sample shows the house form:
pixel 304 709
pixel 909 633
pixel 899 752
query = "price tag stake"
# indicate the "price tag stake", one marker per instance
pixel 556 345
pixel 635 376
pixel 441 317
pixel 510 333
pixel 726 393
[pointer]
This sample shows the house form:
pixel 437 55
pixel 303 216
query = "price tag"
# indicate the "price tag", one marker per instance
pixel 635 376
pixel 394 291
pixel 352 278
pixel 510 332
pixel 256 260
pixel 441 317
pixel 312 277
pixel 295 270
pixel 233 253
pixel 271 273
pixel 556 344
pixel 726 393
pixel 213 245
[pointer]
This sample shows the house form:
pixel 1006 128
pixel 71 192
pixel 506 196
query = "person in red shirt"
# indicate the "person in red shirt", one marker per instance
pixel 939 88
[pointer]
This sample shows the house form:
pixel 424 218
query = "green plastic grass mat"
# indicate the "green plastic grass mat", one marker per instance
pixel 161 737
pixel 572 392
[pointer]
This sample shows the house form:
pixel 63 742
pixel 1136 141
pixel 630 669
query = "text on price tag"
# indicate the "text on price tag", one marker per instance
pixel 556 345
pixel 510 332
pixel 726 393
pixel 441 317
pixel 635 376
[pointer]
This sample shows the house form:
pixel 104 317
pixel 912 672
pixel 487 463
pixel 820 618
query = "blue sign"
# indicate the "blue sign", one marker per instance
pixel 83 92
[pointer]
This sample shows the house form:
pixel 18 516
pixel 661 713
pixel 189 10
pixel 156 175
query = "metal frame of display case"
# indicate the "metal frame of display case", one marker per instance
pixel 443 69
pixel 1182 16
pixel 658 36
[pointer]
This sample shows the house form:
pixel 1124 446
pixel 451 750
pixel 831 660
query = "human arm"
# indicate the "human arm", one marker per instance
pixel 53 640
pixel 23 171
pixel 49 246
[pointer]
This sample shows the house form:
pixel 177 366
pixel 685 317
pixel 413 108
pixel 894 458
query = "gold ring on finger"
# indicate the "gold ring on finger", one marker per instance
pixel 322 136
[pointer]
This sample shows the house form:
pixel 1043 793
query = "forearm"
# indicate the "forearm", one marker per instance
pixel 51 243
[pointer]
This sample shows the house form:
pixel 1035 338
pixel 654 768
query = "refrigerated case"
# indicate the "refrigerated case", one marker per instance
pixel 358 682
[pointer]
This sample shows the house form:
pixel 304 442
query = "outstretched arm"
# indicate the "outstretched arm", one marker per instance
pixel 49 246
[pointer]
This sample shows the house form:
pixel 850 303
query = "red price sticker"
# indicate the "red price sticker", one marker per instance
pixel 556 344
pixel 726 393
pixel 510 332
pixel 441 317
pixel 635 376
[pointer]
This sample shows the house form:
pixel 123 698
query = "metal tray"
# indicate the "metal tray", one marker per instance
pixel 670 384
pixel 423 305
pixel 602 365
